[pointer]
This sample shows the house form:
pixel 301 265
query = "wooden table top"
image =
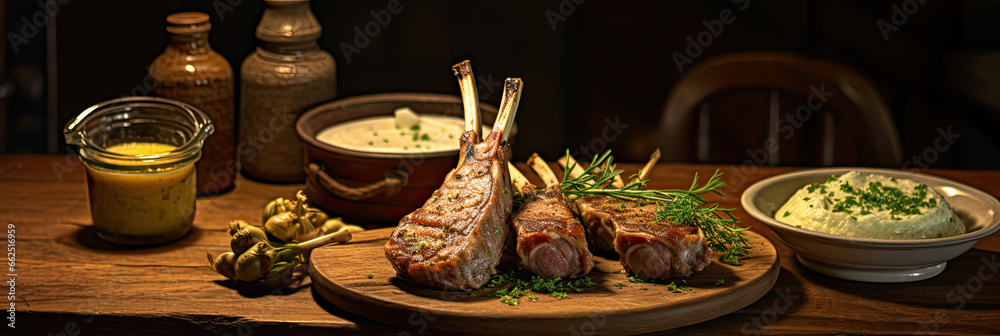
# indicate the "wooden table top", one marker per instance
pixel 68 280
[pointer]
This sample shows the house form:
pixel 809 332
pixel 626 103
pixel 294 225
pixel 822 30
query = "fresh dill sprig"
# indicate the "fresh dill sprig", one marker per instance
pixel 678 206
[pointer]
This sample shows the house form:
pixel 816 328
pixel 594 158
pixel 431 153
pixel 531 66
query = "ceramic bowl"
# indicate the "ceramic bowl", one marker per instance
pixel 370 187
pixel 874 260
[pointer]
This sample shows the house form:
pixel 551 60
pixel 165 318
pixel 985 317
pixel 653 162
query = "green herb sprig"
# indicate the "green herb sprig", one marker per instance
pixel 682 207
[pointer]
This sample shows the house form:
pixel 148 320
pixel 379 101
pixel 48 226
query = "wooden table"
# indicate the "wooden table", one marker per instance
pixel 69 281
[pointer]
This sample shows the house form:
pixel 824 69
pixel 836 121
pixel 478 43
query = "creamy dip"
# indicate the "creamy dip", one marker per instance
pixel 405 132
pixel 871 206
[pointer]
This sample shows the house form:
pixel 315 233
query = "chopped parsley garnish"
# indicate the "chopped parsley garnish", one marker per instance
pixel 813 187
pixel 620 285
pixel 673 287
pixel 370 143
pixel 385 140
pixel 415 128
pixel 787 214
pixel 633 278
pixel 425 137
pixel 375 133
pixel 806 199
pixel 878 197
pixel 370 276
pixel 720 282
pixel 516 284
pixel 458 176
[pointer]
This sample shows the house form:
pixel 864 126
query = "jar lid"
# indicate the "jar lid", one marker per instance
pixel 188 22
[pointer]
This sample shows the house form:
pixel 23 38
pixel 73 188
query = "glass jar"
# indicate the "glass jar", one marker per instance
pixel 139 153
pixel 190 71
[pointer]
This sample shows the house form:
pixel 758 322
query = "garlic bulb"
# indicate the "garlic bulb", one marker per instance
pixel 278 206
pixel 254 263
pixel 223 264
pixel 246 238
pixel 316 216
pixel 236 225
pixel 282 226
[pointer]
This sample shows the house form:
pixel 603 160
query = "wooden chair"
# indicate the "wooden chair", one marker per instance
pixel 795 110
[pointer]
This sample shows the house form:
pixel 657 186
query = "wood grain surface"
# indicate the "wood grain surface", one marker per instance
pixel 70 282
pixel 614 306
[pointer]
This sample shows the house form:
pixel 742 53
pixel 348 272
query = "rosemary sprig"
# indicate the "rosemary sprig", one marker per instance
pixel 678 206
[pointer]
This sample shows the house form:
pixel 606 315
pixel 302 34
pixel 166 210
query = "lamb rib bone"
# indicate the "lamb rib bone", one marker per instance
pixel 470 98
pixel 511 98
pixel 542 169
pixel 519 181
pixel 644 172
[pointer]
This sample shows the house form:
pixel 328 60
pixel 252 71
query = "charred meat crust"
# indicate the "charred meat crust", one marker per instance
pixel 546 222
pixel 455 240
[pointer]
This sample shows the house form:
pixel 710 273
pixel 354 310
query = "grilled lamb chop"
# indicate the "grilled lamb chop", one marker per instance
pixel 550 240
pixel 650 249
pixel 456 239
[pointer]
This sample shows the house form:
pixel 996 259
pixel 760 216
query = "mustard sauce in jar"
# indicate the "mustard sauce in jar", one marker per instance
pixel 126 206
pixel 140 154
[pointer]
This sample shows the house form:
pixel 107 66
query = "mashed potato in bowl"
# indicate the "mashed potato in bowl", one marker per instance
pixel 871 206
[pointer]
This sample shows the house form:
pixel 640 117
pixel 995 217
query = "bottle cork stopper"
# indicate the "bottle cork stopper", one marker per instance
pixel 188 23
pixel 187 18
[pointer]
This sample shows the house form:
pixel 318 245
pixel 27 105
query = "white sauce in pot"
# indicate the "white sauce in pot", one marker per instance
pixel 404 133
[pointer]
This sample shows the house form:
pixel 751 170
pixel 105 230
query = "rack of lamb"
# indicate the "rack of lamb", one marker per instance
pixel 455 240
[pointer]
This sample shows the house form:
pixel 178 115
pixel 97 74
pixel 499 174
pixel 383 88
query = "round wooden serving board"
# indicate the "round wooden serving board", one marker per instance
pixel 358 278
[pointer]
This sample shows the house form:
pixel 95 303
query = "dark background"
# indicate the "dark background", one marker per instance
pixel 596 60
